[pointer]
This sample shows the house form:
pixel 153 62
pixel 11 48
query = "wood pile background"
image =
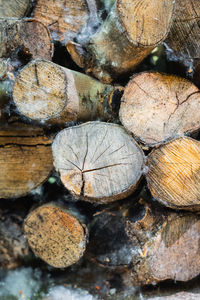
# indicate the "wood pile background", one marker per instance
pixel 99 136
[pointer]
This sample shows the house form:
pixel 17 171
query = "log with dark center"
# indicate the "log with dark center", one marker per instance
pixel 149 244
pixel 129 33
pixel 25 160
pixel 45 91
pixel 174 173
pixel 156 107
pixel 14 8
pixel 98 161
pixel 24 39
pixel 65 19
pixel 55 235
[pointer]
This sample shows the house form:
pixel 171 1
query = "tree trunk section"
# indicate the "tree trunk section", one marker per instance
pixel 157 107
pixel 55 235
pixel 91 158
pixel 14 8
pixel 24 39
pixel 152 244
pixel 25 160
pixel 173 174
pixel 127 36
pixel 59 95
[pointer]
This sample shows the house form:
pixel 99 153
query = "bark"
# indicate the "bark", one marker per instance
pixel 91 158
pixel 24 39
pixel 157 107
pixel 59 95
pixel 179 296
pixel 65 19
pixel 14 8
pixel 183 41
pixel 173 173
pixel 127 36
pixel 55 235
pixel 150 243
pixel 25 160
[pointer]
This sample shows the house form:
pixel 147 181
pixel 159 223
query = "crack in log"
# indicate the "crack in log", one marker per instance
pixel 24 145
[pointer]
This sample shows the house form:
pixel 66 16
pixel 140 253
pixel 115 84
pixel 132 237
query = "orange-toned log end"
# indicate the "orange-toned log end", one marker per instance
pixel 55 235
pixel 65 19
pixel 97 161
pixel 174 173
pixel 25 160
pixel 157 107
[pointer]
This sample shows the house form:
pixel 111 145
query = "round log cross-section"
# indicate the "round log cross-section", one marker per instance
pixel 55 235
pixel 174 173
pixel 98 161
pixel 156 107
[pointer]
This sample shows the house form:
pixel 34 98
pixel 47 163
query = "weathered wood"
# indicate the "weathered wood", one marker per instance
pixel 25 160
pixel 24 39
pixel 129 33
pixel 65 19
pixel 98 161
pixel 179 296
pixel 14 8
pixel 45 91
pixel 150 243
pixel 183 41
pixel 55 235
pixel 173 173
pixel 156 107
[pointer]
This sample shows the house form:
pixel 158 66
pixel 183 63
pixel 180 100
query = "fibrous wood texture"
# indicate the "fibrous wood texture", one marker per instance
pixel 64 18
pixel 129 33
pixel 25 38
pixel 14 8
pixel 173 174
pixel 98 161
pixel 45 91
pixel 55 235
pixel 156 107
pixel 25 160
pixel 153 244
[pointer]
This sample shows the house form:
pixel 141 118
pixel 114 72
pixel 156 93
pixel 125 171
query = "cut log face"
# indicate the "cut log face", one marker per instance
pixel 173 176
pixel 24 38
pixel 55 235
pixel 184 37
pixel 45 91
pixel 63 18
pixel 91 158
pixel 25 160
pixel 129 33
pixel 151 243
pixel 14 8
pixel 156 107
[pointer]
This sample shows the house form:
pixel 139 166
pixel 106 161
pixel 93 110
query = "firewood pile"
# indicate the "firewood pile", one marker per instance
pixel 80 102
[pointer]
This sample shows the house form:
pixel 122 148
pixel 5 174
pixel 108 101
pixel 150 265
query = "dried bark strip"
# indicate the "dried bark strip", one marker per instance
pixel 14 8
pixel 55 235
pixel 98 162
pixel 24 39
pixel 173 176
pixel 45 91
pixel 63 18
pixel 154 244
pixel 25 160
pixel 156 107
pixel 129 33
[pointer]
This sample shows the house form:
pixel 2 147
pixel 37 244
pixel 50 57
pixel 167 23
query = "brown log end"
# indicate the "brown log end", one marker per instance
pixel 91 158
pixel 14 8
pixel 173 176
pixel 156 107
pixel 25 160
pixel 146 22
pixel 63 18
pixel 55 236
